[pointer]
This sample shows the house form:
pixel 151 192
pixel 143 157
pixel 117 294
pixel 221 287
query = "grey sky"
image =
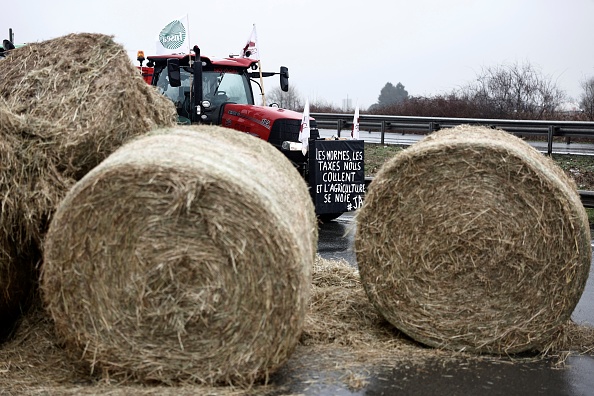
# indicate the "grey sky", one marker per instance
pixel 340 49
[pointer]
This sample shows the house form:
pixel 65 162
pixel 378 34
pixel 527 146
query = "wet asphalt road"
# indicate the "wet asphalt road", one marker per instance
pixel 475 378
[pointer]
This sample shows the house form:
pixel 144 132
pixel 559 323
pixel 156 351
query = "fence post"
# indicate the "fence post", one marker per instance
pixel 382 132
pixel 434 127
pixel 338 127
pixel 550 140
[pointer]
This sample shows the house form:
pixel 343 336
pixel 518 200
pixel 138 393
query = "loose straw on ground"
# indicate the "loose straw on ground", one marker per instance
pixel 343 334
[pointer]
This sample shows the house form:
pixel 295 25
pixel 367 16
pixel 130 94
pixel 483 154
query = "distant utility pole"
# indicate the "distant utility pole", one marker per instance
pixel 346 104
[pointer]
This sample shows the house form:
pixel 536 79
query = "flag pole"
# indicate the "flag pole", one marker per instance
pixel 189 41
pixel 262 83
pixel 355 130
pixel 304 129
pixel 251 51
pixel 259 66
pixel 190 56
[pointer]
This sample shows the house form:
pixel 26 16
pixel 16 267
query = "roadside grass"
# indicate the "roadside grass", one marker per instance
pixel 376 155
pixel 579 167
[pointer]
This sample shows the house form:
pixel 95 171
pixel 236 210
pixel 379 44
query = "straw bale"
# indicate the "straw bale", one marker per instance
pixel 65 104
pixel 473 240
pixel 184 257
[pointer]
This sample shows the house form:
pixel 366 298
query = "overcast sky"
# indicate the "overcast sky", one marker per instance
pixel 340 49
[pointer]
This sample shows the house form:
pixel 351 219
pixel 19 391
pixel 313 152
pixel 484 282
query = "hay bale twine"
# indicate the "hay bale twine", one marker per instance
pixel 184 256
pixel 65 104
pixel 472 240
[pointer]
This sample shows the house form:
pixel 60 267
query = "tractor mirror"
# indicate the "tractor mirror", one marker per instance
pixel 284 78
pixel 173 72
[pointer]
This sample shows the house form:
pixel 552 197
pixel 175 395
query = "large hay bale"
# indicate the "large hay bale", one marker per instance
pixel 65 104
pixel 184 256
pixel 472 240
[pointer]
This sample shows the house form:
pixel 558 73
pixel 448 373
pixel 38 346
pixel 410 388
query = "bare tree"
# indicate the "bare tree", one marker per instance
pixel 453 104
pixel 587 98
pixel 320 105
pixel 290 100
pixel 515 91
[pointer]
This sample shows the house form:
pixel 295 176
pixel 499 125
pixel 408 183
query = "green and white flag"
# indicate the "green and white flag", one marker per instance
pixel 174 38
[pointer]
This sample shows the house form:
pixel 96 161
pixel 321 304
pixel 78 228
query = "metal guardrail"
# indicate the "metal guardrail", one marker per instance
pixel 394 124
pixel 587 198
pixel 401 124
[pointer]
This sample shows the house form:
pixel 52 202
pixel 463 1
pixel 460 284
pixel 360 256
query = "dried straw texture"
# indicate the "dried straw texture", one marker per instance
pixel 472 240
pixel 343 334
pixel 184 257
pixel 65 104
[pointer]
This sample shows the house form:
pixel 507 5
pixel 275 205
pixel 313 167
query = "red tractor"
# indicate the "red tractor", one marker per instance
pixel 219 92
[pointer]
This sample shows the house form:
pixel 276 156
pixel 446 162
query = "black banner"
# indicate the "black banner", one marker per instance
pixel 336 175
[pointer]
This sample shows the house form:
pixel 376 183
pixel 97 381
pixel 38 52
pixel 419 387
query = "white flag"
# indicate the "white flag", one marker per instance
pixel 174 38
pixel 355 131
pixel 250 50
pixel 304 130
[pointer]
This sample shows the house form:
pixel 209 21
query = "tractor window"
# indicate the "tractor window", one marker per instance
pixel 227 87
pixel 216 86
pixel 176 94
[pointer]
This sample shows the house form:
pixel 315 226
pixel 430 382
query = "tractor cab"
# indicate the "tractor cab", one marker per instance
pixel 5 48
pixel 201 90
pixel 220 85
pixel 8 45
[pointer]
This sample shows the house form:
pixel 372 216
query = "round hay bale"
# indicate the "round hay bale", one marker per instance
pixel 20 197
pixel 184 256
pixel 65 105
pixel 472 240
pixel 86 89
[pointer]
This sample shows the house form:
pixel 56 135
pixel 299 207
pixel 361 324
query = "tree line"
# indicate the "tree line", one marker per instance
pixel 510 91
